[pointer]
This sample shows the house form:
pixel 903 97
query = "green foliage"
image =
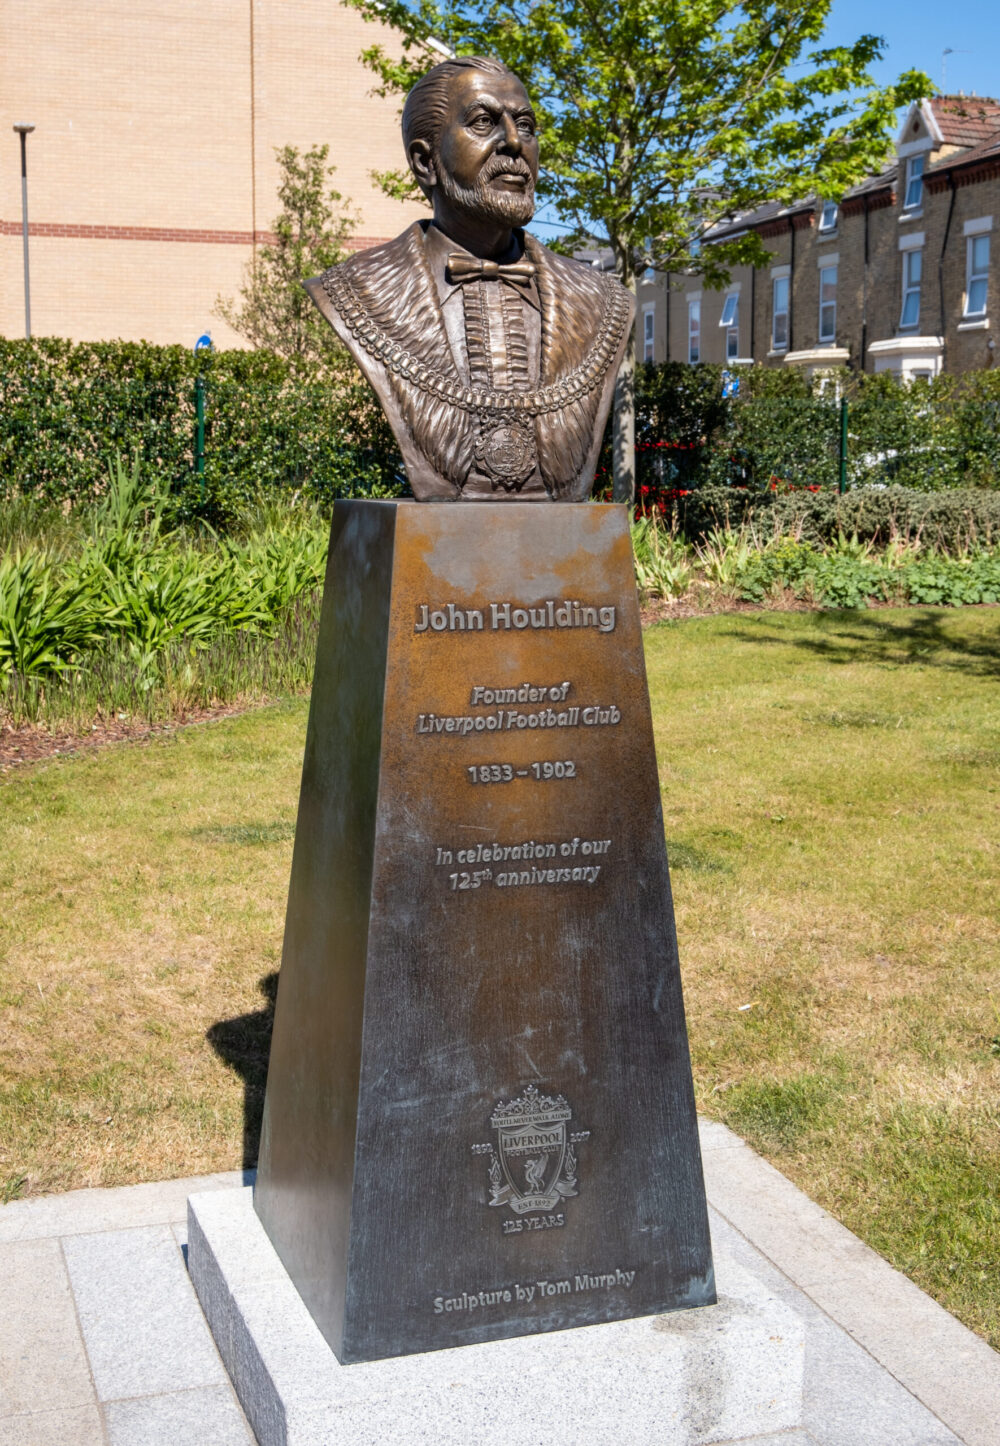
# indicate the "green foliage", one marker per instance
pixel 44 620
pixel 724 555
pixel 137 586
pixel 780 431
pixel 657 119
pixel 662 565
pixel 847 572
pixel 850 576
pixel 950 522
pixel 272 310
pixel 66 408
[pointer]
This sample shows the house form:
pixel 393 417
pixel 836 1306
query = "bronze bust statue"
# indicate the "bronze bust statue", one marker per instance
pixel 494 358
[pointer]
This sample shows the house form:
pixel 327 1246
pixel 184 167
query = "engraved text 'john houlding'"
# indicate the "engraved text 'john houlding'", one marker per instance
pixel 552 613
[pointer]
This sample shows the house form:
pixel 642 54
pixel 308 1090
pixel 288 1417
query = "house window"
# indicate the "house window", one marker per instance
pixel 828 303
pixel 978 267
pixel 694 331
pixel 828 216
pixel 913 266
pixel 648 322
pixel 779 315
pixel 914 183
pixel 730 321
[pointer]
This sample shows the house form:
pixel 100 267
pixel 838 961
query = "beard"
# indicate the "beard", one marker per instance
pixel 484 202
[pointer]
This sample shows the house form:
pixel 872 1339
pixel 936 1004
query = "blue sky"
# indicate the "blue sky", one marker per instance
pixel 917 31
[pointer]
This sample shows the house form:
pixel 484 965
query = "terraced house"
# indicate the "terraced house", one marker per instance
pixel 900 275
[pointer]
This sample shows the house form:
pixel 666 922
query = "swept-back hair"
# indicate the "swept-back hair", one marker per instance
pixel 427 103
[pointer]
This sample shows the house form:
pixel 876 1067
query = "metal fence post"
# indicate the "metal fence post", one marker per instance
pixel 843 445
pixel 199 444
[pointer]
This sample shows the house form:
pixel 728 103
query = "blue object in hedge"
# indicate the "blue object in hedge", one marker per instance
pixel 730 384
pixel 204 343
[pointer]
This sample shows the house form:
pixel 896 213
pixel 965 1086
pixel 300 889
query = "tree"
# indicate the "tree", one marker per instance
pixel 272 309
pixel 660 118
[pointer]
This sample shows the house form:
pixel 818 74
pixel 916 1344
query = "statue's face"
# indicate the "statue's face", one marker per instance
pixel 487 154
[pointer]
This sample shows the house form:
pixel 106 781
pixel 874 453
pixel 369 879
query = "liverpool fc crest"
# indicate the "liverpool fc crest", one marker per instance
pixel 533 1164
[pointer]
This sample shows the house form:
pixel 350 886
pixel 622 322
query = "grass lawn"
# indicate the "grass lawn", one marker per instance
pixel 831 791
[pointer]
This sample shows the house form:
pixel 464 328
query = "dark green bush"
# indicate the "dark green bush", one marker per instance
pixel 950 521
pixel 66 409
pixel 781 430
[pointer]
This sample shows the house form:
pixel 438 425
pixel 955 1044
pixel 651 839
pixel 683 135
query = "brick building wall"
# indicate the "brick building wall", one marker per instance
pixel 152 165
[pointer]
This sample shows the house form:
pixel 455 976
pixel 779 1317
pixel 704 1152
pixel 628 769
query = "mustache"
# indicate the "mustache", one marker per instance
pixel 497 165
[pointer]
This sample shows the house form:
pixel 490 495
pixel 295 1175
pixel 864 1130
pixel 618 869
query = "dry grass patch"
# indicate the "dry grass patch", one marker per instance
pixel 832 796
pixel 144 892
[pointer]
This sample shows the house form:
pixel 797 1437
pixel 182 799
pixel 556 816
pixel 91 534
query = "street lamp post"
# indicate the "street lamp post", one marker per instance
pixel 24 130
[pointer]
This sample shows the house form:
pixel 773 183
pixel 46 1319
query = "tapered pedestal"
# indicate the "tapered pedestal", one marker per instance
pixel 479 1118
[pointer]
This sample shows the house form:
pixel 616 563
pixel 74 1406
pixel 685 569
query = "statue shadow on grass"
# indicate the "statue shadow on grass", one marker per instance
pixel 873 636
pixel 244 1044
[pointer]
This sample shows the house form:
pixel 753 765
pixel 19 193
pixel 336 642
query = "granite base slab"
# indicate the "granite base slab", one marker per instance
pixel 732 1372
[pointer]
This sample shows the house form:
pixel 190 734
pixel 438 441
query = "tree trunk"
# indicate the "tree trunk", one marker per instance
pixel 623 436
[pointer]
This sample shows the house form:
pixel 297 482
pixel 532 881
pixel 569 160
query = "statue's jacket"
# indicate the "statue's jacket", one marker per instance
pixel 384 305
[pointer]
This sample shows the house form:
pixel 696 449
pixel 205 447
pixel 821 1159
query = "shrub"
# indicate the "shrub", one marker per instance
pixel 951 521
pixel 781 431
pixel 66 408
pixel 136 583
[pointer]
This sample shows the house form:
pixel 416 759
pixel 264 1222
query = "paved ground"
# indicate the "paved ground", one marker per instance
pixel 102 1341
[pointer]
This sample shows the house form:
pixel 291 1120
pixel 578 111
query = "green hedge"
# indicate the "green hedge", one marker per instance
pixel 781 430
pixel 952 521
pixel 66 409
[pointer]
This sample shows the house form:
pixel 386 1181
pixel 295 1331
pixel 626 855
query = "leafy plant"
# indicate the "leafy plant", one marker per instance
pixel 45 622
pixel 724 555
pixel 135 583
pixel 273 311
pixel 272 428
pixel 662 565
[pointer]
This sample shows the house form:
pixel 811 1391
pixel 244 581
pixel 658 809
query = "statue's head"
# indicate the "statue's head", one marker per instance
pixel 469 133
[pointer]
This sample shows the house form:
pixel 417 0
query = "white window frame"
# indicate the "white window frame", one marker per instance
pixel 648 332
pixel 829 216
pixel 694 330
pixel 830 334
pixel 730 323
pixel 776 311
pixel 914 182
pixel 913 261
pixel 974 276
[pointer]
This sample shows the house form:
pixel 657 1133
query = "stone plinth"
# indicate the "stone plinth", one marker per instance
pixel 730 1373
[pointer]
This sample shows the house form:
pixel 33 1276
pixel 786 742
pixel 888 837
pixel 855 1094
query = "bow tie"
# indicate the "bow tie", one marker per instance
pixel 471 268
